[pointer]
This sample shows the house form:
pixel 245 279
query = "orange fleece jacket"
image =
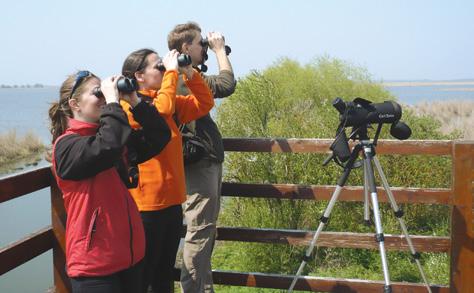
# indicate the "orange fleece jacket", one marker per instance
pixel 161 179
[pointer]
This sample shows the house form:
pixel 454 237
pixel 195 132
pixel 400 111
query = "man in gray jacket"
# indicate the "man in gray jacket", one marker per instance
pixel 203 175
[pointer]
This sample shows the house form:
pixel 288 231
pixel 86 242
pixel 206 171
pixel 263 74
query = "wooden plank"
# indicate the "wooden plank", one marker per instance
pixel 333 239
pixel 25 249
pixel 314 284
pixel 462 234
pixel 324 192
pixel 24 183
pixel 294 145
pixel 58 219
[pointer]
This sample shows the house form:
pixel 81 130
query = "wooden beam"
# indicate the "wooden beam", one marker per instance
pixel 314 284
pixel 25 249
pixel 333 239
pixel 294 145
pixel 58 219
pixel 462 226
pixel 324 192
pixel 20 184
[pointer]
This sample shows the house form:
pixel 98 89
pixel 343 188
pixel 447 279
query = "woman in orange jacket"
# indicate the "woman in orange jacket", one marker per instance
pixel 161 187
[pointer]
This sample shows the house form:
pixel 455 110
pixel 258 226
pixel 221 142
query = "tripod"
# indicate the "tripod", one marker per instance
pixel 367 149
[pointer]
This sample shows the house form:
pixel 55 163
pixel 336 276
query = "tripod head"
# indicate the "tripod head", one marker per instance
pixel 360 114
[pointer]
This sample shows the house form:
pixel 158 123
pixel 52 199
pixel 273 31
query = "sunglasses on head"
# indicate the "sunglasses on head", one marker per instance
pixel 80 76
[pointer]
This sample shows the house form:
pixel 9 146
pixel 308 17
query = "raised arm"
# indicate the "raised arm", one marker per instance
pixel 223 84
pixel 149 140
pixel 198 103
pixel 79 157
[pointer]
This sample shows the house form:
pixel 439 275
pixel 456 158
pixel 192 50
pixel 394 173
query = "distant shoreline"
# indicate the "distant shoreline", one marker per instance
pixel 23 87
pixel 426 83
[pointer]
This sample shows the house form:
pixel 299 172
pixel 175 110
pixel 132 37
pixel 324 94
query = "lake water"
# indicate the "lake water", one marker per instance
pixel 26 110
pixel 417 94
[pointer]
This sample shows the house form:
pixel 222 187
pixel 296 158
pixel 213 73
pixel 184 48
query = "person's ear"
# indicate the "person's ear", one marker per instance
pixel 185 48
pixel 139 77
pixel 74 105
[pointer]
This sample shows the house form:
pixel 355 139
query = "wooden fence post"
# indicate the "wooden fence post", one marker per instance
pixel 58 222
pixel 462 226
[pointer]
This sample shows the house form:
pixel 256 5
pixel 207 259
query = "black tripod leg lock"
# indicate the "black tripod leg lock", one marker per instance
pixel 324 219
pixel 415 256
pixel 379 237
pixel 306 258
pixel 399 213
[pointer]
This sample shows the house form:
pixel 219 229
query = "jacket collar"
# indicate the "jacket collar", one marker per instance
pixel 81 127
pixel 148 93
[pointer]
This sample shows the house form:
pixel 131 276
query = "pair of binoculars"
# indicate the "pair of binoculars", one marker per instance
pixel 183 60
pixel 205 44
pixel 124 85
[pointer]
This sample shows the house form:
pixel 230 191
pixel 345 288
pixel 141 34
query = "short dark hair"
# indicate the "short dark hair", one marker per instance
pixel 183 33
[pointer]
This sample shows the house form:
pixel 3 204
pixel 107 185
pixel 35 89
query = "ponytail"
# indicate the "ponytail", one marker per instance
pixel 58 114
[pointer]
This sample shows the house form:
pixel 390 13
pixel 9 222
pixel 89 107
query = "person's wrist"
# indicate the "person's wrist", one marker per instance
pixel 190 74
pixel 135 102
pixel 219 49
pixel 111 100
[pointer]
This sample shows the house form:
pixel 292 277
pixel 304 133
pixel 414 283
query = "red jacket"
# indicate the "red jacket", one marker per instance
pixel 104 231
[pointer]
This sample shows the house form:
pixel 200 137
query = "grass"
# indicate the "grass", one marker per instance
pixel 455 116
pixel 15 149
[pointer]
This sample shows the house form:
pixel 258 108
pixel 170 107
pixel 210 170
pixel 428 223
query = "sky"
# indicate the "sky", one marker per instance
pixel 44 41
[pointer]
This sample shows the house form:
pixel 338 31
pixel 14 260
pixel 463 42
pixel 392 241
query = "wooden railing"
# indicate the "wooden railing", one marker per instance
pixel 459 245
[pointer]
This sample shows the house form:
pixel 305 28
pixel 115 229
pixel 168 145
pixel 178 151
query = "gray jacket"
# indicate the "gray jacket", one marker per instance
pixel 221 85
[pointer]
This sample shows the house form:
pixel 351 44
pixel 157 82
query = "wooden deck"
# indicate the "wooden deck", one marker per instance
pixel 459 245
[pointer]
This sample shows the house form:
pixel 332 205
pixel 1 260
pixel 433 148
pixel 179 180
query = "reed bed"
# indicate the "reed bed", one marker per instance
pixel 455 116
pixel 14 147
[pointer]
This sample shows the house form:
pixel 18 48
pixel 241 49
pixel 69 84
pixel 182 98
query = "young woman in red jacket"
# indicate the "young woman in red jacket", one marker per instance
pixel 94 152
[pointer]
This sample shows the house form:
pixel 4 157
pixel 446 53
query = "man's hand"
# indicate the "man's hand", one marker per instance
pixel 216 41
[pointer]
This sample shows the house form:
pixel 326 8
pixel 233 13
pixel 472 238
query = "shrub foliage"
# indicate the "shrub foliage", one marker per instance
pixel 291 100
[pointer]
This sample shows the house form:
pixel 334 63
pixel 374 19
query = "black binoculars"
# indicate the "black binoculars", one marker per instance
pixel 124 85
pixel 183 60
pixel 205 44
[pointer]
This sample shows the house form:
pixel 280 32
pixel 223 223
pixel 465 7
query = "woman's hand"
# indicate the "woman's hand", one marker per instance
pixel 130 98
pixel 109 89
pixel 170 61
pixel 187 70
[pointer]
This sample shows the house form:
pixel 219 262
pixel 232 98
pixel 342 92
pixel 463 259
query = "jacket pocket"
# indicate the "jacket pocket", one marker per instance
pixel 92 228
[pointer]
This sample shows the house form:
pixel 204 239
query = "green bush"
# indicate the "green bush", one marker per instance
pixel 294 101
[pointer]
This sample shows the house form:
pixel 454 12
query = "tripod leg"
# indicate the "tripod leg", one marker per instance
pixel 366 198
pixel 323 221
pixel 399 214
pixel 378 224
pixel 325 218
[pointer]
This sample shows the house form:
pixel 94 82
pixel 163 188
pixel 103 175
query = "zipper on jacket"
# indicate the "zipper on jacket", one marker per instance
pixel 140 187
pixel 92 228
